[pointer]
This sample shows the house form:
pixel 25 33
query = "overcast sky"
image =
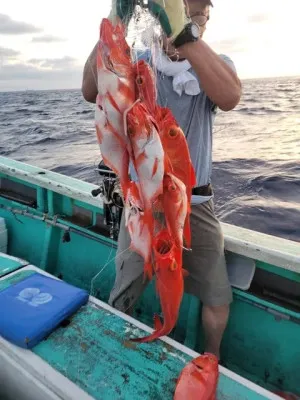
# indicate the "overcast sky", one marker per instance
pixel 44 45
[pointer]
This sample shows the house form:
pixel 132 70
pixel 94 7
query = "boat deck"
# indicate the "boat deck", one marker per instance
pixel 91 357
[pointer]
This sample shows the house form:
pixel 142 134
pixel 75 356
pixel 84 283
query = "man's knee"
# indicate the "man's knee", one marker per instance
pixel 217 309
pixel 216 315
pixel 124 296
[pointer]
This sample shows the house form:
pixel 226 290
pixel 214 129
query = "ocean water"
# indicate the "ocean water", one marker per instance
pixel 256 170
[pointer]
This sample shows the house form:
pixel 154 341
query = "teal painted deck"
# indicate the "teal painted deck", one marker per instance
pixel 94 352
pixel 9 264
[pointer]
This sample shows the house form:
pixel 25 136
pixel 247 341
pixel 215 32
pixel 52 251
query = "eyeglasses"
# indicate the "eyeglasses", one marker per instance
pixel 201 19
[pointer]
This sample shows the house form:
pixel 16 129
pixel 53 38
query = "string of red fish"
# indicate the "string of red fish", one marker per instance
pixel 132 128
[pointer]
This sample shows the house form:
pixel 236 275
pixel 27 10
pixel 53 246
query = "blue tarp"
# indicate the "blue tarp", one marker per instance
pixel 31 309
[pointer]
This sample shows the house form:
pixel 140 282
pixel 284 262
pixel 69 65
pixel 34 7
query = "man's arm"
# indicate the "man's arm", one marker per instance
pixel 218 80
pixel 89 80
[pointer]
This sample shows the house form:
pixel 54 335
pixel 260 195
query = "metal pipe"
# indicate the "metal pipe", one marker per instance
pixel 269 310
pixel 53 222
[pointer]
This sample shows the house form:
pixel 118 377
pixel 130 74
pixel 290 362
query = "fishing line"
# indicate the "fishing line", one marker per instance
pixel 113 259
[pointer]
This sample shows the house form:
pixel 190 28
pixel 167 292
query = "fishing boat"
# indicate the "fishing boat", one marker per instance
pixel 60 227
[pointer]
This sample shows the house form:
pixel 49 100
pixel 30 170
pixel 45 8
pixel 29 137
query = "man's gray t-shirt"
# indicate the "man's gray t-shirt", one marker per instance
pixel 195 115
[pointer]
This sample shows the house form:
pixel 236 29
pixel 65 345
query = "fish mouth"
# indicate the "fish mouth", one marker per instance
pixel 135 210
pixel 163 245
pixel 113 68
pixel 108 63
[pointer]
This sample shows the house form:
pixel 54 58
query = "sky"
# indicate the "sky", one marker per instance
pixel 44 45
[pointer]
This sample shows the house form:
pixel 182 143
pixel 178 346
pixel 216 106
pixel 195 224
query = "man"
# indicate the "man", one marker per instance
pixel 193 86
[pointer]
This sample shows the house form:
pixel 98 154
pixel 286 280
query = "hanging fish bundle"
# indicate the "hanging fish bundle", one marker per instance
pixel 133 129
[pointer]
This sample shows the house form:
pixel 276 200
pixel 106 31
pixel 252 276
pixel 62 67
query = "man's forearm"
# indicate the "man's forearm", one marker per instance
pixel 89 79
pixel 218 80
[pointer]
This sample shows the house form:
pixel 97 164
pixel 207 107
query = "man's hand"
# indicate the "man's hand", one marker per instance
pixel 171 14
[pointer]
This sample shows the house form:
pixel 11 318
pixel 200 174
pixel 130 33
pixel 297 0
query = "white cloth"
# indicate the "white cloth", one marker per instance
pixel 183 80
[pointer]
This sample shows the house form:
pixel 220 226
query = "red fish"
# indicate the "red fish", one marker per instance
pixel 148 156
pixel 116 84
pixel 198 379
pixel 175 146
pixel 146 86
pixel 116 93
pixel 141 239
pixel 118 55
pixel 174 201
pixel 169 284
pixel 113 148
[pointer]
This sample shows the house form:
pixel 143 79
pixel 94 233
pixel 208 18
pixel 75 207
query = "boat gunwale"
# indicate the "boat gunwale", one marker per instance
pixel 277 251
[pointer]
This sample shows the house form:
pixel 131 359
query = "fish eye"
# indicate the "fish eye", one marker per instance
pixel 130 131
pixel 173 132
pixel 173 266
pixel 139 80
pixel 171 188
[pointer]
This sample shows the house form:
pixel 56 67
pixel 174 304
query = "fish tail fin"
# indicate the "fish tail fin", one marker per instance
pixel 145 339
pixel 159 331
pixel 155 335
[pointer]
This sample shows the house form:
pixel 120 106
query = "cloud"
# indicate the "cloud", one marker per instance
pixel 6 53
pixel 8 26
pixel 38 73
pixel 258 18
pixel 54 63
pixel 28 71
pixel 47 39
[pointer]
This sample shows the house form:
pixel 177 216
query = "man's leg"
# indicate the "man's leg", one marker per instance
pixel 208 279
pixel 214 321
pixel 129 284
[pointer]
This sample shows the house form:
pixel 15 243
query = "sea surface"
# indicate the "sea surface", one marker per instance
pixel 256 170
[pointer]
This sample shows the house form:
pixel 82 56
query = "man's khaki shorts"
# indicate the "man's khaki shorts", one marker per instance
pixel 207 279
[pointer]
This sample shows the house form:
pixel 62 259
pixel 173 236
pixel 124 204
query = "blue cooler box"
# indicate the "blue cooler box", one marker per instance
pixel 31 309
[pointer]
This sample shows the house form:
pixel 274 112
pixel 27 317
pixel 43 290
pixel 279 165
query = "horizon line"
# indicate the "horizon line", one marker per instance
pixel 62 89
